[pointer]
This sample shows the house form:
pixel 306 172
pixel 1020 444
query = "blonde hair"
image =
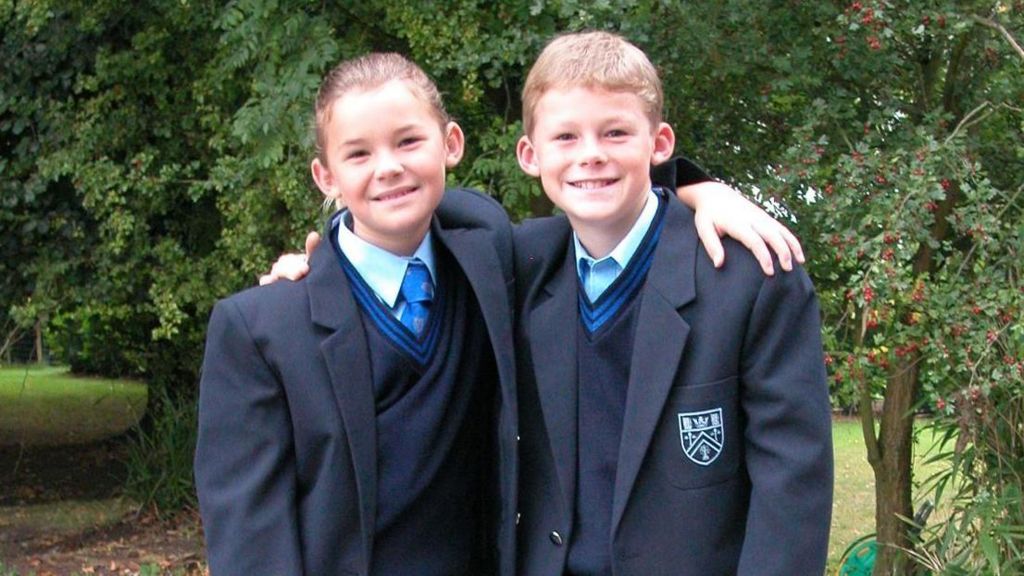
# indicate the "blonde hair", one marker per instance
pixel 594 60
pixel 367 72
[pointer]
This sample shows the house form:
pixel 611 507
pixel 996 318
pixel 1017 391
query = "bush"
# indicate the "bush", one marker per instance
pixel 160 455
pixel 981 486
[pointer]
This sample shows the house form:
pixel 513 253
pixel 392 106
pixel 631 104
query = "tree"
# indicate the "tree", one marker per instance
pixel 907 171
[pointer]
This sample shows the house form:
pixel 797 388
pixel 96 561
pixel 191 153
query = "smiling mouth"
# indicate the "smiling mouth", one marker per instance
pixel 396 194
pixel 592 184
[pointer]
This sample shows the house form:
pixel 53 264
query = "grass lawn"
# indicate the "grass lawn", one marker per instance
pixel 49 406
pixel 853 507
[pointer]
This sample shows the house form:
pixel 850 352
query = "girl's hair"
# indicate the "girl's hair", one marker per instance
pixel 367 72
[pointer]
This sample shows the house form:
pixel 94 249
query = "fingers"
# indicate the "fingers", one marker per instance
pixel 771 234
pixel 709 237
pixel 794 244
pixel 754 240
pixel 312 241
pixel 292 266
pixel 288 267
pixel 722 211
pixel 783 242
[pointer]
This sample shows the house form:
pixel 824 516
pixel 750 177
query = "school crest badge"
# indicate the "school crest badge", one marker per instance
pixel 702 435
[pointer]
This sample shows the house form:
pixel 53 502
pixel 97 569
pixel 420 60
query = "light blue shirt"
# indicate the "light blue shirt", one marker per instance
pixel 383 271
pixel 597 275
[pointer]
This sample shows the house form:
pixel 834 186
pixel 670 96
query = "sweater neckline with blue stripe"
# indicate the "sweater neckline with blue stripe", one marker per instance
pixel 419 348
pixel 594 315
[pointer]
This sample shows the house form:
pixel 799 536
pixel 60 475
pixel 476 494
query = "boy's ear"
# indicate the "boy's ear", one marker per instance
pixel 323 178
pixel 527 156
pixel 664 144
pixel 454 143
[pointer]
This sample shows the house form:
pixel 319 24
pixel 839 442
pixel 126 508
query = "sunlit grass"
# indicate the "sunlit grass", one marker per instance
pixel 50 406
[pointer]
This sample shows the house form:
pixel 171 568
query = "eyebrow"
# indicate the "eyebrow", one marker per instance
pixel 401 130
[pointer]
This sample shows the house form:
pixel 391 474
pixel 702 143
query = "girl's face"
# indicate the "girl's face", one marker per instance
pixel 385 157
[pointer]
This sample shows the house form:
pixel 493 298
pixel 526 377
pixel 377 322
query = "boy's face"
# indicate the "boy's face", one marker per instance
pixel 592 149
pixel 386 156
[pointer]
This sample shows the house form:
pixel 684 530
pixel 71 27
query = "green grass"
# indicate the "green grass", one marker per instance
pixel 49 406
pixel 64 517
pixel 853 507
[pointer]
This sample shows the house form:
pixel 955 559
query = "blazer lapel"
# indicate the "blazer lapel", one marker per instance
pixel 660 338
pixel 346 355
pixel 475 254
pixel 552 332
pixel 474 250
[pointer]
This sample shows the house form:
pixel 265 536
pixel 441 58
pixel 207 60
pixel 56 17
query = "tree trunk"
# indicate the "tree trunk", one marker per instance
pixel 893 471
pixel 893 462
pixel 39 342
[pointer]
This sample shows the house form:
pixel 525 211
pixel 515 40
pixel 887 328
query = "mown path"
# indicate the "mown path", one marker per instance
pixel 62 473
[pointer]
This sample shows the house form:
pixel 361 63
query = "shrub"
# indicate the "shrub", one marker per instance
pixel 160 455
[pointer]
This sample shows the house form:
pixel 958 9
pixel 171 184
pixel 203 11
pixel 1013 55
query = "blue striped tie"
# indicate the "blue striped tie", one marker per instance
pixel 418 292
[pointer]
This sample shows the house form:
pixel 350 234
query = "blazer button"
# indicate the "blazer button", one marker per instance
pixel 556 538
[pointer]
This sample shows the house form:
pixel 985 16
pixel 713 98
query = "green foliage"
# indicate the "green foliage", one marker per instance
pixel 144 176
pixel 985 530
pixel 159 460
pixel 905 177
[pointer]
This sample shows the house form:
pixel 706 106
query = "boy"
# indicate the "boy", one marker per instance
pixel 681 425
pixel 362 421
pixel 453 213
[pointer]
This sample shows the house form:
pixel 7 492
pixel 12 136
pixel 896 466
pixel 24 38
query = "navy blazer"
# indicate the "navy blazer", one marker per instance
pixel 732 349
pixel 286 460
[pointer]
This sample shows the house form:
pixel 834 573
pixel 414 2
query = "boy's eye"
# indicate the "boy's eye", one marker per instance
pixel 617 133
pixel 564 137
pixel 409 141
pixel 355 154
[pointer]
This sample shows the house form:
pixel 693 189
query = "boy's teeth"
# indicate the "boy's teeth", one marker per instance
pixel 592 183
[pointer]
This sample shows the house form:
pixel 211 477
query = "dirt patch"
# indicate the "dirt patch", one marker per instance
pixel 36 475
pixel 62 512
pixel 160 546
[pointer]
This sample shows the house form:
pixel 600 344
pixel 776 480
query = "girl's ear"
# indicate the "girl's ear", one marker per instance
pixel 527 156
pixel 454 144
pixel 664 143
pixel 324 179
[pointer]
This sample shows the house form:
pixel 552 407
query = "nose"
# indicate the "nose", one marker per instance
pixel 388 165
pixel 591 152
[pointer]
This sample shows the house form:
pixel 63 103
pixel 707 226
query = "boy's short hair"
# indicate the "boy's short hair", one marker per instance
pixel 367 72
pixel 594 60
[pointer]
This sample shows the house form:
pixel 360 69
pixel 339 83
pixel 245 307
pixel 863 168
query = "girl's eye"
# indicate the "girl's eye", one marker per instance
pixel 356 154
pixel 409 141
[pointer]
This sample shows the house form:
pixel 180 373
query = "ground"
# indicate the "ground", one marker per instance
pixel 61 513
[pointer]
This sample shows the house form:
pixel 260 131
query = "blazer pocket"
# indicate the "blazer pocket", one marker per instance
pixel 699 441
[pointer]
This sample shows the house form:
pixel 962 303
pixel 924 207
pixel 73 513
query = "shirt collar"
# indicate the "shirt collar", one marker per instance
pixel 626 247
pixel 382 271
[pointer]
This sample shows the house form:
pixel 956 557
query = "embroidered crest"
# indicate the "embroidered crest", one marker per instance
pixel 702 435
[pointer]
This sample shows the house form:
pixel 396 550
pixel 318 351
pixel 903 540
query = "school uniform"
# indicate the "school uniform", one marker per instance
pixel 333 442
pixel 677 425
